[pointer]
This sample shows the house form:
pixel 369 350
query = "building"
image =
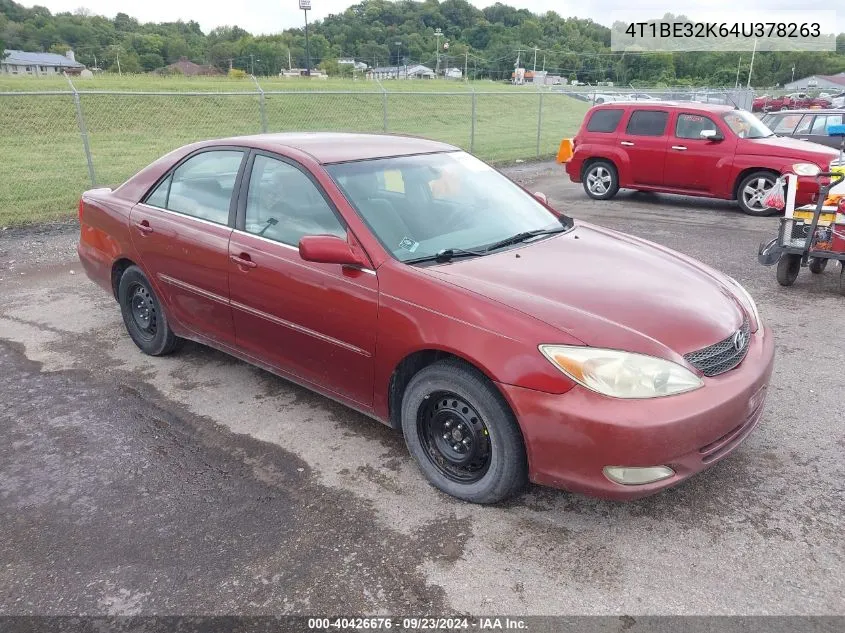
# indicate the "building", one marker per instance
pixel 453 73
pixel 818 82
pixel 188 68
pixel 412 71
pixel 302 72
pixel 24 63
pixel 357 66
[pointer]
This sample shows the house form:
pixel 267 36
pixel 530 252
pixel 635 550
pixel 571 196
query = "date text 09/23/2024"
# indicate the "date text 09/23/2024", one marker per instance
pixel 416 624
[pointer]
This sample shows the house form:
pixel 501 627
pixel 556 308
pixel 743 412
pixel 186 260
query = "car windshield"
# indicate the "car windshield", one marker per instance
pixel 419 206
pixel 746 125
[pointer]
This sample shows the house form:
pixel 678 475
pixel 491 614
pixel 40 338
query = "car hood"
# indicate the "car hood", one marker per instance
pixel 783 147
pixel 607 289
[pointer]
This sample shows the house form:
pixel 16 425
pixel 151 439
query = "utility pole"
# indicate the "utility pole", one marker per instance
pixel 738 64
pixel 793 73
pixel 544 62
pixel 751 66
pixel 119 72
pixel 252 64
pixel 305 5
pixel 398 58
pixel 535 59
pixel 466 65
pixel 437 33
pixel 289 64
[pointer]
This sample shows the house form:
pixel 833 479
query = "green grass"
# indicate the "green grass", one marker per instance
pixel 44 163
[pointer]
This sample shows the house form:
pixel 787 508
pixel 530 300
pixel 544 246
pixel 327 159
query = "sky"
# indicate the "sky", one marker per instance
pixel 272 16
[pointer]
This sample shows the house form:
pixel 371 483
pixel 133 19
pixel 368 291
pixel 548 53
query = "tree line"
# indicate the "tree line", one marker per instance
pixel 486 42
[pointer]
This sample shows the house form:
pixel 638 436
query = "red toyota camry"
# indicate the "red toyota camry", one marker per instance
pixel 414 283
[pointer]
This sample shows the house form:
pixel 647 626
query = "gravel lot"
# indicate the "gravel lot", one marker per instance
pixel 198 484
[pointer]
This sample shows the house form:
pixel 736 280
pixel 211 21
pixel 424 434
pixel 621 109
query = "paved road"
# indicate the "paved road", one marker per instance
pixel 196 483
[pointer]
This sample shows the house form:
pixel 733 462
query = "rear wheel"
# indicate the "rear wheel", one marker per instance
pixel 462 433
pixel 143 316
pixel 752 191
pixel 788 268
pixel 817 265
pixel 601 181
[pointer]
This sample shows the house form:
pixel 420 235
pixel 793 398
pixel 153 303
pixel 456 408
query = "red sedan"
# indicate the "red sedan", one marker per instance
pixel 414 283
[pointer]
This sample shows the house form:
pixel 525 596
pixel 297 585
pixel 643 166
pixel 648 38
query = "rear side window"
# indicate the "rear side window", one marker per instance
pixel 785 124
pixel 647 123
pixel 823 121
pixel 604 120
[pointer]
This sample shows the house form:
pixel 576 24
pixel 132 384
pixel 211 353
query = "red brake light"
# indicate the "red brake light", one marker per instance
pixel 81 206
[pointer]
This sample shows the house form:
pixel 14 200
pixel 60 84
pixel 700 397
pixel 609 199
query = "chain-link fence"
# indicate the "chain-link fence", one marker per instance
pixel 57 144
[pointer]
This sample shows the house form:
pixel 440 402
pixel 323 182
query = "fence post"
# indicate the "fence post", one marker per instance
pixel 83 132
pixel 539 122
pixel 261 107
pixel 472 124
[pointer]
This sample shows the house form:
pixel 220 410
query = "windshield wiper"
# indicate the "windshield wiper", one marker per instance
pixel 521 237
pixel 446 255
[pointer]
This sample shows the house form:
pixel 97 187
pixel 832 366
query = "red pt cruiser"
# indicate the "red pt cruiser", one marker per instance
pixel 414 283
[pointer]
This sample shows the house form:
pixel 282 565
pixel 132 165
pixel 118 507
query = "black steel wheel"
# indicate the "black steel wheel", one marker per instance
pixel 817 265
pixel 788 268
pixel 463 434
pixel 454 437
pixel 143 315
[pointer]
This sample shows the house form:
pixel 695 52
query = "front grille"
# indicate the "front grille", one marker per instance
pixel 724 355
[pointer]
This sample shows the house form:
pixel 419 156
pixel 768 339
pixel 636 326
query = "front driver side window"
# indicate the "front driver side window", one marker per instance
pixel 284 205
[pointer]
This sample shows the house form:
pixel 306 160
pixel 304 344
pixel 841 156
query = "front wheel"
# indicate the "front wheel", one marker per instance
pixel 788 268
pixel 462 433
pixel 752 191
pixel 601 181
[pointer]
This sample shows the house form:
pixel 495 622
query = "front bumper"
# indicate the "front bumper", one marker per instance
pixel 571 437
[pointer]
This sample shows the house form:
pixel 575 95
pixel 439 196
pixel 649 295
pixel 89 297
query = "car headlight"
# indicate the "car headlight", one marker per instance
pixel 806 169
pixel 748 301
pixel 621 374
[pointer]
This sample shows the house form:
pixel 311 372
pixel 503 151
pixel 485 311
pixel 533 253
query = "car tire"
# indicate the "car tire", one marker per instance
pixel 599 101
pixel 143 315
pixel 788 268
pixel 601 180
pixel 817 265
pixel 462 433
pixel 752 189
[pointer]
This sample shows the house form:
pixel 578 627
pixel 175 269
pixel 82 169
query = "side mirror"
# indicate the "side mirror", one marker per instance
pixel 711 135
pixel 541 197
pixel 330 249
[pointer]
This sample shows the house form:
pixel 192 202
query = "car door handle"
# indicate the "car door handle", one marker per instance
pixel 144 227
pixel 243 260
pixel 628 143
pixel 680 148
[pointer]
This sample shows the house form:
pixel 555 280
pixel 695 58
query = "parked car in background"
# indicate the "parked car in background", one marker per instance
pixel 768 103
pixel 599 97
pixel 692 149
pixel 806 125
pixel 640 96
pixel 838 100
pixel 411 281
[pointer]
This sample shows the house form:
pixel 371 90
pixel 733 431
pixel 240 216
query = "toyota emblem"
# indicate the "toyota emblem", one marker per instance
pixel 740 340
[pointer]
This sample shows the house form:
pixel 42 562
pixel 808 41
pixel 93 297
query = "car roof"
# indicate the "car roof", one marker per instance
pixel 683 105
pixel 339 147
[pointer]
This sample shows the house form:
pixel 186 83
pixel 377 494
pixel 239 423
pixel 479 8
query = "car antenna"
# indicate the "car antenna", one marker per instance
pixel 728 95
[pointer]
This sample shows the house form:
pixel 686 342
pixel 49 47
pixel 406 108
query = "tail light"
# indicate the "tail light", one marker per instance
pixel 81 207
